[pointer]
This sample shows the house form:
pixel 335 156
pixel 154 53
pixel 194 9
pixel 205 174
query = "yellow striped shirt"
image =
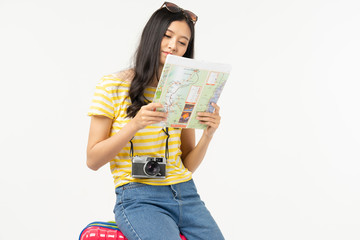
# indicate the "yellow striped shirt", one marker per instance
pixel 111 99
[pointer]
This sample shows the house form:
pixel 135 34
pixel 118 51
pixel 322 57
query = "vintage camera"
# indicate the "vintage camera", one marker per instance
pixel 148 167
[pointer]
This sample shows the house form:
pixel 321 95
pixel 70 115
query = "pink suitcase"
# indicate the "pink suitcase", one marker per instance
pixel 104 231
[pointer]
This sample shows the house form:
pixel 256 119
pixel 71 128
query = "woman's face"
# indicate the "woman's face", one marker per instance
pixel 175 40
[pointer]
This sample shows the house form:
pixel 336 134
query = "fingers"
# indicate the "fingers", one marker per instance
pixel 210 119
pixel 216 107
pixel 148 115
pixel 153 106
pixel 209 114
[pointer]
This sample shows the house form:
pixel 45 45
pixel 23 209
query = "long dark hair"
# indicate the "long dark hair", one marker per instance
pixel 147 56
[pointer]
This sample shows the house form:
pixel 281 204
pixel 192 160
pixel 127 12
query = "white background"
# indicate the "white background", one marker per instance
pixel 284 163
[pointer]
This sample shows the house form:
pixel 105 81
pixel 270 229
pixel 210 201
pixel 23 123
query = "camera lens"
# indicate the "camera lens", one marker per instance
pixel 151 168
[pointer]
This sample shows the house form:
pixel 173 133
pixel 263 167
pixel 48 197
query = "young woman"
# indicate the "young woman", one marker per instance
pixel 122 118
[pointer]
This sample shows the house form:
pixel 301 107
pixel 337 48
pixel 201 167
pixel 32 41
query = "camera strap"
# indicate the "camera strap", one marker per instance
pixel 167 142
pixel 166 131
pixel 131 148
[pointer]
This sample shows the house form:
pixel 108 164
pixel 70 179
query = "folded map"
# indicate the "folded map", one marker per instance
pixel 189 86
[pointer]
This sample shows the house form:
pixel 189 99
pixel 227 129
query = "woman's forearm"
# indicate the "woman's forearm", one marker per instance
pixel 104 151
pixel 195 157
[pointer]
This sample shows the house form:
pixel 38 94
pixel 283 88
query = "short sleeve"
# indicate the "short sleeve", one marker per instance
pixel 102 102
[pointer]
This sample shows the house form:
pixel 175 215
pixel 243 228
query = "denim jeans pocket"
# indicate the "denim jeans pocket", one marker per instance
pixel 120 192
pixel 132 185
pixel 131 191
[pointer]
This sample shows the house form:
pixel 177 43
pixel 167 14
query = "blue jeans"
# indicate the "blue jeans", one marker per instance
pixel 145 212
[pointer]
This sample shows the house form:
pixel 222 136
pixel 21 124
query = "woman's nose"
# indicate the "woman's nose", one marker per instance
pixel 172 44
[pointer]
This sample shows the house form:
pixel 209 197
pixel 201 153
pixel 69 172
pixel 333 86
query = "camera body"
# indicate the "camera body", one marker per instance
pixel 148 167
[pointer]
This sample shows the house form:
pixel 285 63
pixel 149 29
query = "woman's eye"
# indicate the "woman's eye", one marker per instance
pixel 167 36
pixel 182 43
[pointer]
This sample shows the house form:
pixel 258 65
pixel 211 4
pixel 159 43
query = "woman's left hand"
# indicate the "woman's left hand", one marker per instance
pixel 212 120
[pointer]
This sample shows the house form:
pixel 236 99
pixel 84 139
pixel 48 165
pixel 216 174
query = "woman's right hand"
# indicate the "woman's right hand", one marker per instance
pixel 148 115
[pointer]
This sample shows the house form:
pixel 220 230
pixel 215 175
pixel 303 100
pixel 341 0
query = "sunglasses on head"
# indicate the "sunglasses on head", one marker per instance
pixel 172 7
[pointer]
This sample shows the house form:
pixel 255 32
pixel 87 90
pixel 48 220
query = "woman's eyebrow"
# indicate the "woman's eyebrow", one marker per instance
pixel 180 36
